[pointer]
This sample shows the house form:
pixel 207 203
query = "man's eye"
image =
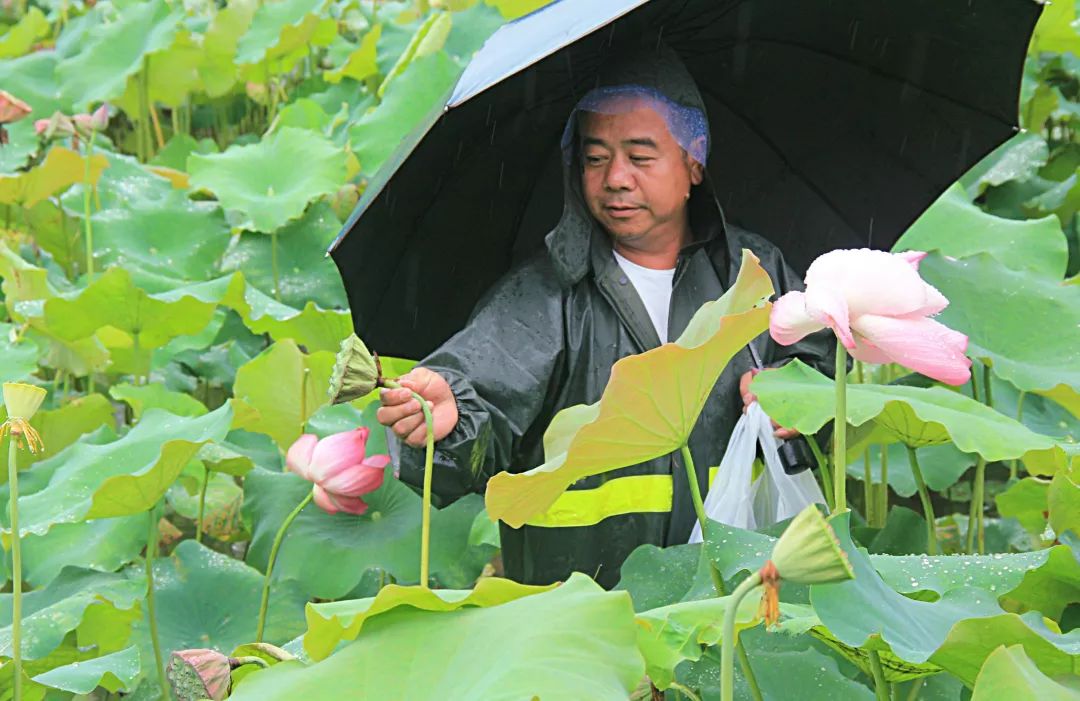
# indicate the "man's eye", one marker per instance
pixel 641 159
pixel 594 160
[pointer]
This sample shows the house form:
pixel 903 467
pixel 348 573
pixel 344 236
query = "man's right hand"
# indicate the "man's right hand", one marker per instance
pixel 401 412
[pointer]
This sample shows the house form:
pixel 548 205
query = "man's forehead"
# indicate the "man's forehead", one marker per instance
pixel 639 121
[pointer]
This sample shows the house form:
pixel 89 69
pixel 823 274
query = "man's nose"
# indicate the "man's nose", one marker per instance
pixel 618 176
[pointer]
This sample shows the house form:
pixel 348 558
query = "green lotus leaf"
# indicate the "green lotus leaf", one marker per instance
pixel 798 396
pixel 205 599
pixel 306 274
pixel 278 391
pixel 172 75
pixel 179 147
pixel 59 234
pixel 575 641
pixel 669 635
pixel 51 613
pixel 327 555
pixel 657 577
pixel 22 144
pixel 219 69
pixel 225 459
pixel 942 465
pixel 250 179
pixel 512 9
pixel 1048 588
pixel 1019 158
pixel 956 227
pixel 335 418
pixel 163 239
pixel 1026 326
pixel 412 103
pixel 1055 32
pixel 330 624
pixel 62 426
pixel 303 113
pixel 221 519
pixel 640 416
pixel 113 672
pixel 61 169
pixel 18 39
pixel 156 396
pixel 429 38
pixel 1009 673
pixel 904 533
pixel 104 545
pixel 971 642
pixel 121 186
pixel 124 477
pixel 20 356
pixel 1026 502
pixel 111 52
pixel 360 63
pixel 269 36
pixel 1063 502
pixel 32 78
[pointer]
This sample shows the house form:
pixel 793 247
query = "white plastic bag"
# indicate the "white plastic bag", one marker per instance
pixel 737 501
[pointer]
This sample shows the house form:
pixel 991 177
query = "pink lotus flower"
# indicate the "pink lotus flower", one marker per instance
pixel 12 109
pixel 338 467
pixel 879 308
pixel 60 125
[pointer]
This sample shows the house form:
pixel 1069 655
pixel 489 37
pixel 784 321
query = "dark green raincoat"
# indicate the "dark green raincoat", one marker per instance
pixel 545 338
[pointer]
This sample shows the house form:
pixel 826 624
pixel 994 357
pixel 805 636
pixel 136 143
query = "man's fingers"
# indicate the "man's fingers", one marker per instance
pixel 390 415
pixel 785 434
pixel 418 437
pixel 406 426
pixel 390 397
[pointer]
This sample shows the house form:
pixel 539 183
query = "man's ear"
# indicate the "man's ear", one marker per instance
pixel 697 172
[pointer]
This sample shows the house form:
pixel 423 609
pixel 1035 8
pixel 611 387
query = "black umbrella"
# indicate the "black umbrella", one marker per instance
pixel 835 123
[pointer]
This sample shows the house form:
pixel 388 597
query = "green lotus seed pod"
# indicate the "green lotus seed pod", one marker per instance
pixel 356 371
pixel 808 552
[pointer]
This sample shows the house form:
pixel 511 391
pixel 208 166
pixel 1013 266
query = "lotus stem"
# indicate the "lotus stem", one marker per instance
pixel 883 493
pixel 87 224
pixel 695 490
pixel 727 644
pixel 823 471
pixel 429 462
pixel 928 507
pixel 975 515
pixel 264 602
pixel 916 687
pixel 151 613
pixel 16 567
pixel 840 432
pixel 684 690
pixel 274 265
pixel 202 505
pixel 881 687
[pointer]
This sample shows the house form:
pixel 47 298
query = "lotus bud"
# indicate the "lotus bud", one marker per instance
pixel 22 401
pixel 199 674
pixel 12 109
pixel 356 371
pixel 807 552
pixel 97 121
pixel 59 125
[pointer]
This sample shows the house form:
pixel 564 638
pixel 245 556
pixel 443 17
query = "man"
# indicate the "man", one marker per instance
pixel 641 245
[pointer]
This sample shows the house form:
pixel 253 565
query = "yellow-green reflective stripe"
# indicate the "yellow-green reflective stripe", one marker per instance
pixel 624 495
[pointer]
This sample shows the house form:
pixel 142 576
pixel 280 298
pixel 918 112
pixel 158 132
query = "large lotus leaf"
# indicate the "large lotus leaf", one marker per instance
pixel 1063 503
pixel 172 75
pixel 124 477
pixel 972 641
pixel 332 623
pixel 105 544
pixel 58 234
pixel 360 62
pixel 32 78
pixel 649 406
pixel 1025 325
pixel 62 426
pixel 22 143
pixel 314 328
pixel 20 355
pixel 121 185
pixel 114 672
pixel 1050 587
pixel 1055 31
pixel 163 239
pixel 411 102
pixel 429 38
pixel 327 555
pixel 1025 501
pixel 798 396
pixel 143 397
pixel 942 466
pixel 668 635
pixel 221 517
pixel 512 9
pixel 267 36
pixel 657 577
pixel 1019 158
pixel 251 180
pixel 1009 673
pixel 219 70
pixel 114 51
pixel 574 642
pixel 958 228
pixel 205 599
pixel 179 147
pixel 18 39
pixel 113 300
pixel 49 614
pixel 278 391
pixel 305 273
pixel 61 169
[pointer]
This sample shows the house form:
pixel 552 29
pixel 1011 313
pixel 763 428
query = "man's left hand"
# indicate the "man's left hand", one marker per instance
pixel 749 398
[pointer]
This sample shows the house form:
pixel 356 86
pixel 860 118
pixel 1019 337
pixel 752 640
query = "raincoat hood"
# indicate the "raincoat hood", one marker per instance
pixel 570 242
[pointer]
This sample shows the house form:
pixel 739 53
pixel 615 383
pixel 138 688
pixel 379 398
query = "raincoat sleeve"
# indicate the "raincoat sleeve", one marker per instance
pixel 500 368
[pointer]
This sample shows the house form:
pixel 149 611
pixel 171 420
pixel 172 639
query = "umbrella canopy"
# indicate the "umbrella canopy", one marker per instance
pixel 834 124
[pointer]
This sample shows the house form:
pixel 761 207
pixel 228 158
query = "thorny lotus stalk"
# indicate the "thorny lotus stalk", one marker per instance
pixel 806 553
pixel 264 602
pixel 200 520
pixel 151 611
pixel 927 505
pixel 840 432
pixel 87 225
pixel 881 687
pixel 22 402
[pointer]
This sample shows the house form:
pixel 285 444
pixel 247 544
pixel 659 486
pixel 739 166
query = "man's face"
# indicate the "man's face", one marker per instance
pixel 635 175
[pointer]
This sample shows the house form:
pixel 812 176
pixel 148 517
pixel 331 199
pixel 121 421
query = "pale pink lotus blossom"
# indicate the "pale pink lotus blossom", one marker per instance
pixel 339 468
pixel 12 109
pixel 879 308
pixel 59 125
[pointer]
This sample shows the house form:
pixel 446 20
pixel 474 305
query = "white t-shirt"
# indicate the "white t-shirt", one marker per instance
pixel 654 288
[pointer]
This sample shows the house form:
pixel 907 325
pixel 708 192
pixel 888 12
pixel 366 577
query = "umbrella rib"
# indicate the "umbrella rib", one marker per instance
pixel 783 157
